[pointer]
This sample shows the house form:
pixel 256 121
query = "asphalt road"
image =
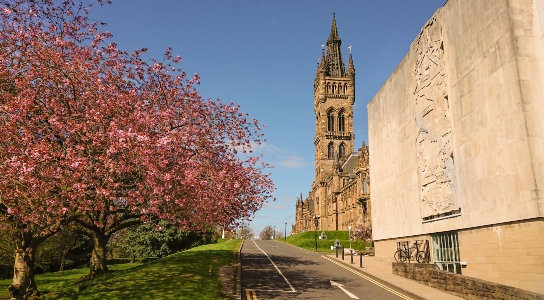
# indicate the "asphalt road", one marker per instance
pixel 275 270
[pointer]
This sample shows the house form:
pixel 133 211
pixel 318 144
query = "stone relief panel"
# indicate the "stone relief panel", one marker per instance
pixel 433 120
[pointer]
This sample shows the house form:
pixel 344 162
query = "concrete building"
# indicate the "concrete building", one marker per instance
pixel 456 136
pixel 339 195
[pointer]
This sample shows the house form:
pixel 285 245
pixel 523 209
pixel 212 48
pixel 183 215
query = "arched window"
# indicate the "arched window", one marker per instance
pixel 365 189
pixel 341 121
pixel 330 120
pixel 345 88
pixel 340 89
pixel 334 88
pixel 342 150
pixel 330 152
pixel 328 88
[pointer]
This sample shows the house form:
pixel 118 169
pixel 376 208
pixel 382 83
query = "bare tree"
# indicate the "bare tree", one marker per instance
pixel 245 232
pixel 267 233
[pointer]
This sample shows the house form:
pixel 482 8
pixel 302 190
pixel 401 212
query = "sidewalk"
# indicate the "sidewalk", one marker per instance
pixel 382 270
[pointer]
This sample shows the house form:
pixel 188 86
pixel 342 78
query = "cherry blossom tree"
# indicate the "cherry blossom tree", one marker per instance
pixel 362 233
pixel 101 137
pixel 35 180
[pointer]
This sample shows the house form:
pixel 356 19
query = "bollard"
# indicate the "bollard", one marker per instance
pixel 342 252
pixel 336 251
pixel 360 260
pixel 351 253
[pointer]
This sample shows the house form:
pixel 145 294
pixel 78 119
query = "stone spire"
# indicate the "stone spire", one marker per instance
pixel 334 62
pixel 322 60
pixel 351 68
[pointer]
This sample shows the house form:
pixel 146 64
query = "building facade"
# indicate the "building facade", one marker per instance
pixel 457 132
pixel 339 196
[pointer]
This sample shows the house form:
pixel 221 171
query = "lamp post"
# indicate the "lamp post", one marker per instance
pixel 285 235
pixel 316 222
pixel 274 232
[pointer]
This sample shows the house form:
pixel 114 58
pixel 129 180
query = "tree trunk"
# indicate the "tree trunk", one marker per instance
pixel 98 257
pixel 23 284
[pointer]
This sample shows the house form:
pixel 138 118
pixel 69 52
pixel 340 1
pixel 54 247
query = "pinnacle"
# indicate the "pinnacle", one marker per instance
pixel 334 31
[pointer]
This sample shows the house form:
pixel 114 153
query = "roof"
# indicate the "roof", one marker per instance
pixel 350 164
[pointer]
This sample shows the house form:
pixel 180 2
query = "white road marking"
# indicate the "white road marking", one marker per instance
pixel 292 288
pixel 340 286
pixel 368 278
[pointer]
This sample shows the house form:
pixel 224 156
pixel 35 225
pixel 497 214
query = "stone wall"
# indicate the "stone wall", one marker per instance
pixel 460 285
pixel 510 254
pixel 456 136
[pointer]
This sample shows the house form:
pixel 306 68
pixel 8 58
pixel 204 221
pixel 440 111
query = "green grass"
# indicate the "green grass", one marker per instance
pixel 184 275
pixel 306 240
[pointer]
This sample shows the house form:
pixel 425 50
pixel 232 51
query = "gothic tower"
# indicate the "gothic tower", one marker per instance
pixel 334 96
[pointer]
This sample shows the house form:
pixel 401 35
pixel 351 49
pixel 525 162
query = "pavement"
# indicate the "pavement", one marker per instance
pixel 377 268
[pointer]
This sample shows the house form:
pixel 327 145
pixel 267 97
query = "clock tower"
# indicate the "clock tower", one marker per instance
pixel 334 96
pixel 340 194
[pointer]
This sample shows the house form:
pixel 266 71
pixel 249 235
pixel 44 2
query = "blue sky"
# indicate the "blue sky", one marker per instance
pixel 263 55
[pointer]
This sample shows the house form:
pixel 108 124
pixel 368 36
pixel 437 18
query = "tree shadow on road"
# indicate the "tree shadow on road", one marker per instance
pixel 303 274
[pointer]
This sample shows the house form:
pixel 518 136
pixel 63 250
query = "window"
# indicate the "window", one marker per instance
pixel 330 154
pixel 364 209
pixel 330 120
pixel 342 150
pixel 341 121
pixel 365 190
pixel 446 251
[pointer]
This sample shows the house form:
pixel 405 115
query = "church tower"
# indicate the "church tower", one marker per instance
pixel 334 96
pixel 339 195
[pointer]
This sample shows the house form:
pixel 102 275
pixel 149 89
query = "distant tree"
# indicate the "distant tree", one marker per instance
pixel 267 233
pixel 64 250
pixel 156 240
pixel 104 138
pixel 245 232
pixel 279 234
pixel 7 250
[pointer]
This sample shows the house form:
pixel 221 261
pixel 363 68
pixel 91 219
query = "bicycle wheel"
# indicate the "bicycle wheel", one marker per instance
pixel 400 256
pixel 421 257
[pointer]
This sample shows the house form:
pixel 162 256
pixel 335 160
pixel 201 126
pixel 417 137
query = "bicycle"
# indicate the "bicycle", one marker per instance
pixel 406 254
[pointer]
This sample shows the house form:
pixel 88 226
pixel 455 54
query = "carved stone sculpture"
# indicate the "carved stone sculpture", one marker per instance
pixel 433 120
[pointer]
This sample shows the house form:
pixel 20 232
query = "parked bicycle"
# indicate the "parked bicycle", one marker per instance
pixel 419 251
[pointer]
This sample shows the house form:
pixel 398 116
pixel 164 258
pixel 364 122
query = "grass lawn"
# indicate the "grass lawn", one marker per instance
pixel 192 274
pixel 306 240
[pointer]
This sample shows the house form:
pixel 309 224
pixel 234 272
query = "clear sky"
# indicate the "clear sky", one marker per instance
pixel 263 55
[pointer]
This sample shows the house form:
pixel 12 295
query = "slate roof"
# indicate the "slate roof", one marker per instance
pixel 350 164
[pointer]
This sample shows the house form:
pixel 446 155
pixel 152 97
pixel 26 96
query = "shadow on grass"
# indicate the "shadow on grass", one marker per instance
pixel 187 275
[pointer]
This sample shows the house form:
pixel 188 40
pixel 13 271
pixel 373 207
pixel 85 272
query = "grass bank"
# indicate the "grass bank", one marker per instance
pixel 306 240
pixel 192 274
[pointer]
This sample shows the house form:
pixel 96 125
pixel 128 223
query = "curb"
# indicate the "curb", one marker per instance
pixel 239 279
pixel 406 293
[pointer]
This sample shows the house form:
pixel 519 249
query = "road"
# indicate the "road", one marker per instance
pixel 275 270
